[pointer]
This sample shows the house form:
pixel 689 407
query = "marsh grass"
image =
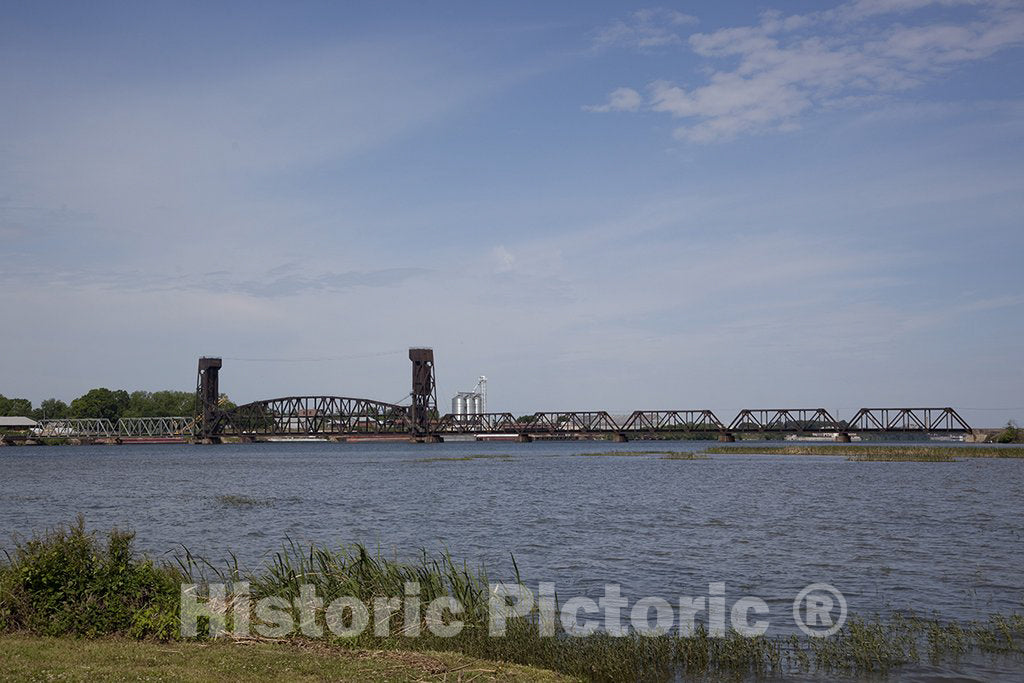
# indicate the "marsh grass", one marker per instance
pixel 500 457
pixel 907 457
pixel 234 501
pixel 72 582
pixel 875 451
pixel 683 454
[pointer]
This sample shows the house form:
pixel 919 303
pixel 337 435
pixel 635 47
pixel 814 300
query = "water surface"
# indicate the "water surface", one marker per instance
pixel 942 538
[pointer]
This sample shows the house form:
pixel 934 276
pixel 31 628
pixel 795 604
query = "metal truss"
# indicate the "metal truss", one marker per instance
pixel 793 420
pixel 496 423
pixel 141 427
pixel 339 415
pixel 78 427
pixel 684 421
pixel 590 421
pixel 126 427
pixel 312 415
pixel 931 420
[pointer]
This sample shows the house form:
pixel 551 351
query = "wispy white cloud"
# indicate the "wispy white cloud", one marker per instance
pixel 288 280
pixel 645 29
pixel 788 66
pixel 620 99
pixel 861 9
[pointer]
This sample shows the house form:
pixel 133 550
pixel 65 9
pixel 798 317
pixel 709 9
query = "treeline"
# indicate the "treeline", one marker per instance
pixel 105 403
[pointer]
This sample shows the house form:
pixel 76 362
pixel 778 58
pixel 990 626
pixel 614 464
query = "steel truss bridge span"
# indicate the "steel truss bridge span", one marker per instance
pixel 313 415
pixel 750 421
pixel 123 428
pixel 326 416
pixel 339 416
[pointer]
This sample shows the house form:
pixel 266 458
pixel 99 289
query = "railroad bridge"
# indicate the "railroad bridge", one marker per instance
pixel 343 417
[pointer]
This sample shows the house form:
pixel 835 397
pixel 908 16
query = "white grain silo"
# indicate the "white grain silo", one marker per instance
pixel 459 405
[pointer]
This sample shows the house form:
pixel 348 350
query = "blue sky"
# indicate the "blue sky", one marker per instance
pixel 598 205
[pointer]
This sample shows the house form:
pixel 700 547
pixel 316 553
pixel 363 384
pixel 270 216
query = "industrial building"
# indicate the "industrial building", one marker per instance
pixel 474 402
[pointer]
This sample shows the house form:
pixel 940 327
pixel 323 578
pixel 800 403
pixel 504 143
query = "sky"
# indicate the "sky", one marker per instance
pixel 599 205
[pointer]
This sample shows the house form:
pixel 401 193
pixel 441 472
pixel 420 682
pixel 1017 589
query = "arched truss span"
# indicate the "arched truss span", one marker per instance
pixel 314 416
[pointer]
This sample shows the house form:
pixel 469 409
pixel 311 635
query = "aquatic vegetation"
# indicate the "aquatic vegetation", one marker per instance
pixel 906 457
pixel 966 451
pixel 682 454
pixel 234 501
pixel 685 456
pixel 500 457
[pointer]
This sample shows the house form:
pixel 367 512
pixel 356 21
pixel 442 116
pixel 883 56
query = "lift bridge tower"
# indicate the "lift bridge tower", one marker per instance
pixel 424 391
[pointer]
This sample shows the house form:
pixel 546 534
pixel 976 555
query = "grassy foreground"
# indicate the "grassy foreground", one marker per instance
pixel 70 659
pixel 61 589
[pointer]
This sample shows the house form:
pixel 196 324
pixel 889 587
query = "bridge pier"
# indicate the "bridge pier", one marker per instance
pixel 726 438
pixel 842 437
pixel 619 438
pixel 428 438
pixel 524 438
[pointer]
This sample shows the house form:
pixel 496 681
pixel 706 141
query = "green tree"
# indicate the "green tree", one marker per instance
pixel 15 407
pixel 165 403
pixel 102 403
pixel 1009 435
pixel 51 409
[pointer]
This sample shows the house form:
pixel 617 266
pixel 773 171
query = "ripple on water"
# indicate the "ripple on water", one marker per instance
pixel 890 536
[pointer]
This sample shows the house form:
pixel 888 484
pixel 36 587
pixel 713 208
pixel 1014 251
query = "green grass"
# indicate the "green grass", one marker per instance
pixel 66 659
pixel 71 582
pixel 909 452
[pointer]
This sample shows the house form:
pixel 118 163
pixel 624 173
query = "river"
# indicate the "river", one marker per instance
pixel 937 538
